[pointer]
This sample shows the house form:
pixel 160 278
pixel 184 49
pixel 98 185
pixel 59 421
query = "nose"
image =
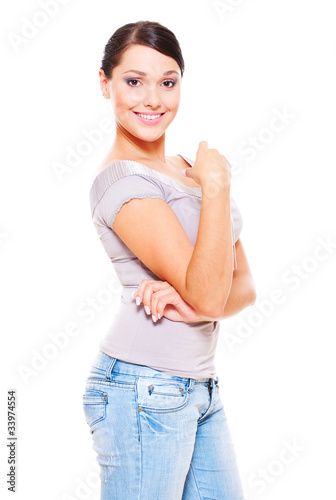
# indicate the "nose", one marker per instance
pixel 151 98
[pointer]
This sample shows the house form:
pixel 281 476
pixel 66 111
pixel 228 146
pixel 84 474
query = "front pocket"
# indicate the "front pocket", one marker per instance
pixel 165 390
pixel 94 406
pixel 160 396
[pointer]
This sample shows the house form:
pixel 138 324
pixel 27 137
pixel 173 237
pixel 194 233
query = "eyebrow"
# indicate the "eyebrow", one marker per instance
pixel 144 74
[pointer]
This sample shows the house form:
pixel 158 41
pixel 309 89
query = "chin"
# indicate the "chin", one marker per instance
pixel 149 138
pixel 146 135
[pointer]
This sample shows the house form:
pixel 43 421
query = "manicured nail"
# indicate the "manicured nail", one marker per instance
pixel 154 318
pixel 183 172
pixel 137 300
pixel 147 310
pixel 159 315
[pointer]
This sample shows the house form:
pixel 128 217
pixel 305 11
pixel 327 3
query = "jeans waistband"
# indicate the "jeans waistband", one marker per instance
pixel 117 366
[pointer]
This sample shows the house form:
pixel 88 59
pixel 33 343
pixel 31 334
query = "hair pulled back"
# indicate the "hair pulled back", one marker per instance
pixel 148 33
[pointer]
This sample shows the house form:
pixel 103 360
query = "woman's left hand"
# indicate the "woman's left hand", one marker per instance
pixel 161 299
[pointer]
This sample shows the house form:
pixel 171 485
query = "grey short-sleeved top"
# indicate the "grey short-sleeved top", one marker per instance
pixel 177 348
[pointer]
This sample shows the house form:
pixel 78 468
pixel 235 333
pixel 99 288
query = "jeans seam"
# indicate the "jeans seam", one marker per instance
pixel 140 436
pixel 193 474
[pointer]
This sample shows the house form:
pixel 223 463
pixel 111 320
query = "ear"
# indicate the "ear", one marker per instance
pixel 104 84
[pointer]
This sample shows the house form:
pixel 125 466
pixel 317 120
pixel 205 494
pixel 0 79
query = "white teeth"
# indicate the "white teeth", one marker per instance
pixel 149 117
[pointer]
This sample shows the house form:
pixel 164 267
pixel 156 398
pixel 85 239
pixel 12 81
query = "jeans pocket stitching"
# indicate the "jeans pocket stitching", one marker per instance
pixel 151 396
pixel 94 405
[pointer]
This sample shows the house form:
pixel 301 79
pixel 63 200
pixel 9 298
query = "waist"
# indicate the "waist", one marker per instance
pixel 114 368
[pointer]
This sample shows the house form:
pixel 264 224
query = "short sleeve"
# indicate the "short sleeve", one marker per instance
pixel 123 190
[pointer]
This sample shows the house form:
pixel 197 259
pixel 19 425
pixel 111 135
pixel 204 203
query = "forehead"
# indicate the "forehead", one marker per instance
pixel 143 58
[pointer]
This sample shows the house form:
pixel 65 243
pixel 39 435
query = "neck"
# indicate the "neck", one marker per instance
pixel 127 146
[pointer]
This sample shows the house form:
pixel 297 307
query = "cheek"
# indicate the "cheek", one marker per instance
pixel 125 99
pixel 172 101
pixel 134 97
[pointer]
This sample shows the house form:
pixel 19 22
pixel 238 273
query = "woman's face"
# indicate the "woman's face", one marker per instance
pixel 145 83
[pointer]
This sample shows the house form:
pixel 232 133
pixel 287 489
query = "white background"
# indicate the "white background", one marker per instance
pixel 246 62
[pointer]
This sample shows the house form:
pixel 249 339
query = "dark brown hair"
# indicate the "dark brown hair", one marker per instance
pixel 147 33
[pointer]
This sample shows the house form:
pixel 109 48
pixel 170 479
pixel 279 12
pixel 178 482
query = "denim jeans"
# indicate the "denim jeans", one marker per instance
pixel 157 436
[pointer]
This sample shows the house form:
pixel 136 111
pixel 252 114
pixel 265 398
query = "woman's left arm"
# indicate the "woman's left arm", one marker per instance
pixel 243 291
pixel 159 295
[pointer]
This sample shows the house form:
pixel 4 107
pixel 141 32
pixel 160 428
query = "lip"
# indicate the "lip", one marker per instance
pixel 150 121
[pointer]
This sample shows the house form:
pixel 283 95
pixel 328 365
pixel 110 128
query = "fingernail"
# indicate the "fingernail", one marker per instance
pixel 154 318
pixel 147 310
pixel 183 172
pixel 159 315
pixel 137 300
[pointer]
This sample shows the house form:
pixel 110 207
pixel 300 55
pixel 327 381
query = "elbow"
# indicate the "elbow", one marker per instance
pixel 252 297
pixel 212 310
pixel 205 305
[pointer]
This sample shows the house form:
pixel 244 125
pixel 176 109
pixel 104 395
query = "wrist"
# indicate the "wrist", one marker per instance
pixel 203 317
pixel 216 183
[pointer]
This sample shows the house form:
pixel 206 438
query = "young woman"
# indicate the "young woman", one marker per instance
pixel 171 230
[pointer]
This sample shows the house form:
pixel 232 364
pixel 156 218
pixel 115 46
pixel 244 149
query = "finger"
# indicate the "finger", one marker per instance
pixel 156 311
pixel 185 172
pixel 136 297
pixel 172 298
pixel 151 286
pixel 156 308
pixel 146 293
pixel 203 144
pixel 138 294
pixel 161 298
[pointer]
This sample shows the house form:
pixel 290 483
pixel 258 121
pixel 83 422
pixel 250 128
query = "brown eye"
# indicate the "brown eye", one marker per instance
pixel 132 80
pixel 172 82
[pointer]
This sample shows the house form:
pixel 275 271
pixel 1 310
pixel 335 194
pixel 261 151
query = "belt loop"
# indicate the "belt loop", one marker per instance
pixel 213 382
pixel 191 384
pixel 109 369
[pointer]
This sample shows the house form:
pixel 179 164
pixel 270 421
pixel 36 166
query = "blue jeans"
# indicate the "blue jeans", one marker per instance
pixel 157 436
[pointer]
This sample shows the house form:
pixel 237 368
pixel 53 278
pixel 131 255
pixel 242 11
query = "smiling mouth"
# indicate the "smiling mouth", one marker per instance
pixel 149 116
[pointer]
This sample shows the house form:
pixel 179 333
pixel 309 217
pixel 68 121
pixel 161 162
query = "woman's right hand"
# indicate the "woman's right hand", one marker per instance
pixel 210 167
pixel 162 299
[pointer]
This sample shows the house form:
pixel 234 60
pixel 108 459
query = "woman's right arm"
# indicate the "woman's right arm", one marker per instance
pixel 202 275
